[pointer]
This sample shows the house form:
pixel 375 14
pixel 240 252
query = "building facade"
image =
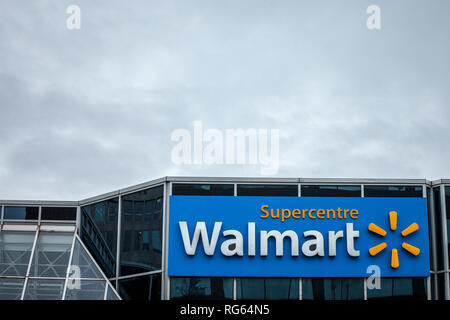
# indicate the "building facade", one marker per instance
pixel 116 245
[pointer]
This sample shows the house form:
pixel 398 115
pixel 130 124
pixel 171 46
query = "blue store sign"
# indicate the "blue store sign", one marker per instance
pixel 215 236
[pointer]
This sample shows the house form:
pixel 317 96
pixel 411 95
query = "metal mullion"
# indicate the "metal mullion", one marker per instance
pixel 95 262
pixel 434 278
pixel 78 219
pixel 446 281
pixel 444 238
pixel 432 229
pixel 300 289
pixel 12 277
pixel 234 279
pixel 143 274
pixel 87 279
pixel 429 287
pixel 46 278
pixel 365 278
pixel 33 248
pixel 39 215
pixel 69 265
pixel 428 284
pixel 365 288
pixel 165 280
pixel 119 238
pixel 106 292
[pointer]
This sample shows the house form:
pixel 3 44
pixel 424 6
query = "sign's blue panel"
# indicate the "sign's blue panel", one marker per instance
pixel 297 237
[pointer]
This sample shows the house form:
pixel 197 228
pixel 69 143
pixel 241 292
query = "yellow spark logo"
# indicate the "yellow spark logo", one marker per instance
pixel 394 254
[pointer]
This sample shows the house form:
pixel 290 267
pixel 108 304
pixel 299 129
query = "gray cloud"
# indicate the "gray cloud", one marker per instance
pixel 89 111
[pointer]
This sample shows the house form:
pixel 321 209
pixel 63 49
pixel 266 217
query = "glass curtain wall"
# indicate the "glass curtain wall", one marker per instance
pixel 141 244
pixel 123 236
pixel 437 241
pixel 129 251
pixel 98 230
pixel 49 265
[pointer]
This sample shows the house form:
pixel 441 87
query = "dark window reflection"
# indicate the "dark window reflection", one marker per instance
pixel 267 190
pixel 184 189
pixel 433 284
pixel 52 213
pixel 393 191
pixel 441 286
pixel 399 288
pixel 21 213
pixel 439 229
pixel 201 288
pixel 99 233
pixel 141 288
pixel 333 289
pixel 267 289
pixel 141 231
pixel 434 287
pixel 447 214
pixel 330 191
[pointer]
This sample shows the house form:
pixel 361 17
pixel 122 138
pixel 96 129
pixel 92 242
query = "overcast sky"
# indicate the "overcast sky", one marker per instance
pixel 88 111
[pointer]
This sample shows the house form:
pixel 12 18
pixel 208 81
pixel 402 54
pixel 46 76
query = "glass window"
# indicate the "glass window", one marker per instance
pixel 140 206
pixel 267 289
pixel 393 191
pixel 126 242
pixel 141 238
pixel 82 266
pixel 141 288
pixel 51 256
pixel 43 289
pixel 15 252
pixel 267 190
pixel 433 285
pixel 11 289
pixel 52 213
pixel 330 191
pixel 439 229
pixel 99 233
pixel 156 240
pixel 399 288
pixel 447 215
pixel 431 231
pixel 21 213
pixel 111 295
pixel 127 210
pixel 333 289
pixel 86 290
pixel 184 189
pixel 201 288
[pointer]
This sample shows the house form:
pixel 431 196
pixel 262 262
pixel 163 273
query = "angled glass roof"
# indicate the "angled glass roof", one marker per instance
pixel 49 265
